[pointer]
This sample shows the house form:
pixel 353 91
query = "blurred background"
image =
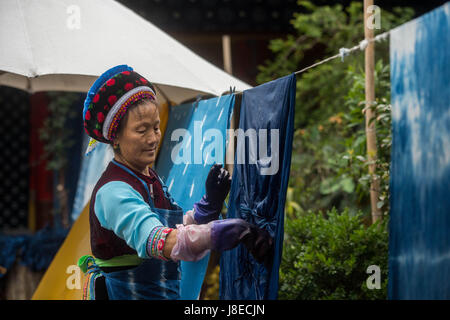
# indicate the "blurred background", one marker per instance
pixel 41 138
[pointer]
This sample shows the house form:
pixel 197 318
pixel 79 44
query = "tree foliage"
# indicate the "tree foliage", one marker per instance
pixel 54 134
pixel 319 33
pixel 57 139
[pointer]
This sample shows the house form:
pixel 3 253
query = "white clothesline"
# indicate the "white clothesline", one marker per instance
pixel 343 52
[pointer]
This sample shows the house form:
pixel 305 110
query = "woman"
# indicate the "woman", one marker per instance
pixel 138 232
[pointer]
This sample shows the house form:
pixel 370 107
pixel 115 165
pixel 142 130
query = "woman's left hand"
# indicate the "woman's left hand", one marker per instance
pixel 217 186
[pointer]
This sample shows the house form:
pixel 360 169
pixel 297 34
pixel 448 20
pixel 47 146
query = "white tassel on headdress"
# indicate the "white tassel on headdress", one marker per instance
pixel 91 146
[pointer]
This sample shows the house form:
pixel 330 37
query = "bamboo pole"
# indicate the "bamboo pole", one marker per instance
pixel 226 50
pixel 370 113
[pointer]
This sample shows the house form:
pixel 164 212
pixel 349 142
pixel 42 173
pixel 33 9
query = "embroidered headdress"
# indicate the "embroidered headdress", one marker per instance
pixel 109 99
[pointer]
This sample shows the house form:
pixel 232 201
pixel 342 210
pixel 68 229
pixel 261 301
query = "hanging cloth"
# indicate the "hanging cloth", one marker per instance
pixel 419 219
pixel 195 139
pixel 258 189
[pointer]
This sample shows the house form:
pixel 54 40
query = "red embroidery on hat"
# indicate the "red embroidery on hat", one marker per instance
pixel 127 73
pixel 87 116
pixel 97 133
pixel 96 98
pixel 128 86
pixel 112 99
pixel 143 80
pixel 100 117
pixel 110 82
pixel 105 107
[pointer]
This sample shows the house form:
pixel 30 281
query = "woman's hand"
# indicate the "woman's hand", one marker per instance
pixel 170 242
pixel 226 234
pixel 193 242
pixel 217 186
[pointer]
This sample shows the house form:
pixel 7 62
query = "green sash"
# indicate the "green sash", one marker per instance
pixel 119 261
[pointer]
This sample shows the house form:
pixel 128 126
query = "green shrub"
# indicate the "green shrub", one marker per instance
pixel 327 256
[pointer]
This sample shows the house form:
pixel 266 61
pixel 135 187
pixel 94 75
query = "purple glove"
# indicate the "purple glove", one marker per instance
pixel 195 241
pixel 228 233
pixel 217 186
pixel 260 245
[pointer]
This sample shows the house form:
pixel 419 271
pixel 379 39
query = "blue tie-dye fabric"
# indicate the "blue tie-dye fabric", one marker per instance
pixel 419 239
pixel 259 185
pixel 203 144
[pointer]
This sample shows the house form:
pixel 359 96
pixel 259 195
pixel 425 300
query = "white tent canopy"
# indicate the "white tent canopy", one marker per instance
pixel 65 45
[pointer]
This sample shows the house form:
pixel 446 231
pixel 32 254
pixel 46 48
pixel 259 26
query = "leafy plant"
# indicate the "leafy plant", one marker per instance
pixel 57 140
pixel 327 256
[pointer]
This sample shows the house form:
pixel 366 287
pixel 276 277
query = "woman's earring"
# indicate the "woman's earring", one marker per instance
pixel 116 146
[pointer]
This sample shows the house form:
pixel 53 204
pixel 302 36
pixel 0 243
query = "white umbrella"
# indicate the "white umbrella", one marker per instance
pixel 66 44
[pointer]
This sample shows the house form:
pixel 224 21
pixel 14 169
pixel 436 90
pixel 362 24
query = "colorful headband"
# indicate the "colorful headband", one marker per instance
pixel 108 100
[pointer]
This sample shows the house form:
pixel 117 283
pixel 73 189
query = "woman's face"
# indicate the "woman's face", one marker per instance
pixel 139 136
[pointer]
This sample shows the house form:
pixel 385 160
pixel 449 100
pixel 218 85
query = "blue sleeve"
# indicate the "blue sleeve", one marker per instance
pixel 122 209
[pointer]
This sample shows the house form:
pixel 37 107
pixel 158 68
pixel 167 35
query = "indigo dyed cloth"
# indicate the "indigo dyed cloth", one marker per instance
pixel 258 189
pixel 419 239
pixel 194 140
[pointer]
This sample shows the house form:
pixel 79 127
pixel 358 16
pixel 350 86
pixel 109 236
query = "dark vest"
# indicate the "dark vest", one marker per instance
pixel 105 244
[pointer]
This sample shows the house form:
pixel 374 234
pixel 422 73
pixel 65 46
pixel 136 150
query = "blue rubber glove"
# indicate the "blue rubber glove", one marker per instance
pixel 217 186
